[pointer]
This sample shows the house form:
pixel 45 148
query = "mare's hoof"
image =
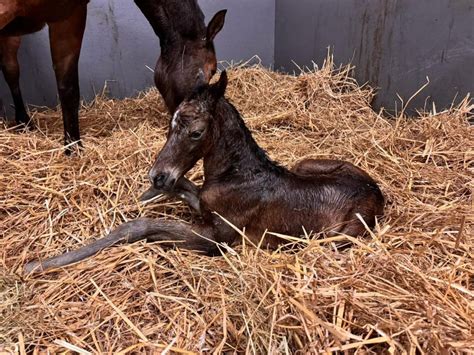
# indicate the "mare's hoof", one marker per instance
pixel 23 121
pixel 150 194
pixel 73 147
pixel 25 126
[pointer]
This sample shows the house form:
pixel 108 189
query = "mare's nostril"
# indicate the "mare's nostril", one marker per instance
pixel 159 181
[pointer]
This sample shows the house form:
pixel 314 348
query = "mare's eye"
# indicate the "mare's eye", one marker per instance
pixel 196 135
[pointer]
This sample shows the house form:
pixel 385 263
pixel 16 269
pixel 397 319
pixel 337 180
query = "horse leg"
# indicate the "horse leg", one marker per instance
pixel 201 238
pixel 184 190
pixel 327 166
pixel 11 71
pixel 66 40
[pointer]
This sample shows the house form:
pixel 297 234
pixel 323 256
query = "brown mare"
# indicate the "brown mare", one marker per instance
pixel 186 45
pixel 66 20
pixel 186 48
pixel 243 185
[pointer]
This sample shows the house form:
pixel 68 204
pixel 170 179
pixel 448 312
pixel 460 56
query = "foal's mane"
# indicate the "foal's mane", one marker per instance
pixel 258 152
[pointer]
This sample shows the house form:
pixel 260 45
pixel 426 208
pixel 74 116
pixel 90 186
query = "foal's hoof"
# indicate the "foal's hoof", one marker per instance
pixel 150 194
pixel 33 267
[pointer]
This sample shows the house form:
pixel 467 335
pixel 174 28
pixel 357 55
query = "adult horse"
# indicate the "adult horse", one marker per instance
pixel 66 20
pixel 186 43
pixel 187 49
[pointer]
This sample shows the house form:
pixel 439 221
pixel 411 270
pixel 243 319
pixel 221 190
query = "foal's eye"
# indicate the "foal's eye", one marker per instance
pixel 196 135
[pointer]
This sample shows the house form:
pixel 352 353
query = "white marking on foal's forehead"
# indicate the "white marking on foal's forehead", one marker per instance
pixel 174 121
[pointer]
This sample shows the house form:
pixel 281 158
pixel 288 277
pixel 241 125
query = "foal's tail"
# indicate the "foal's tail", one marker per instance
pixel 130 232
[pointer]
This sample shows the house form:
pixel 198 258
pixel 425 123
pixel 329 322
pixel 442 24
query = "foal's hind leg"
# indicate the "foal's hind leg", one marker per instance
pixel 66 39
pixel 327 166
pixel 11 71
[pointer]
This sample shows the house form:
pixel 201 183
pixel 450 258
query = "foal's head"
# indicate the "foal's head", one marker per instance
pixel 186 51
pixel 191 134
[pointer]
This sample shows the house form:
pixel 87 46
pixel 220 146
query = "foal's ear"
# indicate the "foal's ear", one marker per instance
pixel 215 25
pixel 201 79
pixel 218 89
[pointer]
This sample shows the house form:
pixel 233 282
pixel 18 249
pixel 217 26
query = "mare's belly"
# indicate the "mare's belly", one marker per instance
pixel 58 10
pixel 22 26
pixel 32 15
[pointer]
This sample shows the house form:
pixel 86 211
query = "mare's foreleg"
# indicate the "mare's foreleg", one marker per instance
pixel 66 40
pixel 184 190
pixel 11 71
pixel 199 238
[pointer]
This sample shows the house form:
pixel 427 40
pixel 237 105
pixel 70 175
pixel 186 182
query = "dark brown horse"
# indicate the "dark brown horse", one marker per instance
pixel 186 48
pixel 243 185
pixel 66 20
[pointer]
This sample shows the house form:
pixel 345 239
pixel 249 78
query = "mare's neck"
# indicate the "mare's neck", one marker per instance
pixel 235 154
pixel 174 20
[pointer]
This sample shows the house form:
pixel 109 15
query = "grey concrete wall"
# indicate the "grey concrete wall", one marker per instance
pixel 394 44
pixel 119 44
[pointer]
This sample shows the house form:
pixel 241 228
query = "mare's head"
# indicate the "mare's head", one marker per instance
pixel 186 50
pixel 191 134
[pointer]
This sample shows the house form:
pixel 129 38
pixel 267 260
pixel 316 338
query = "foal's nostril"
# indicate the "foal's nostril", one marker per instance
pixel 159 181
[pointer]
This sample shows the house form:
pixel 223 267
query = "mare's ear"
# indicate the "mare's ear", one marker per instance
pixel 217 90
pixel 215 25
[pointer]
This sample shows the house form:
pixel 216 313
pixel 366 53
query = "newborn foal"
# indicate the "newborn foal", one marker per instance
pixel 243 185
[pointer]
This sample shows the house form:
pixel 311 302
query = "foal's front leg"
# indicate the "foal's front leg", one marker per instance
pixel 184 190
pixel 200 238
pixel 66 40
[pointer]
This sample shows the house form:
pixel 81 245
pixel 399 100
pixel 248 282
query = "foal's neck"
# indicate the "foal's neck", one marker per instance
pixel 234 153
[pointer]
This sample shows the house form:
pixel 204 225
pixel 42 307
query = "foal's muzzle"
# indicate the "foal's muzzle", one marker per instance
pixel 163 181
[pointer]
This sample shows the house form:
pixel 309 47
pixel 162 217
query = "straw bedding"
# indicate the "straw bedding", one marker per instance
pixel 406 288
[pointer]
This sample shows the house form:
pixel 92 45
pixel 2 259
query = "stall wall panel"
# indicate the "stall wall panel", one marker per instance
pixel 394 44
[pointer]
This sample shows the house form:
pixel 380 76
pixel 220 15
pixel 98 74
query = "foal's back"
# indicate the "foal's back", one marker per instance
pixel 323 202
pixel 284 202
